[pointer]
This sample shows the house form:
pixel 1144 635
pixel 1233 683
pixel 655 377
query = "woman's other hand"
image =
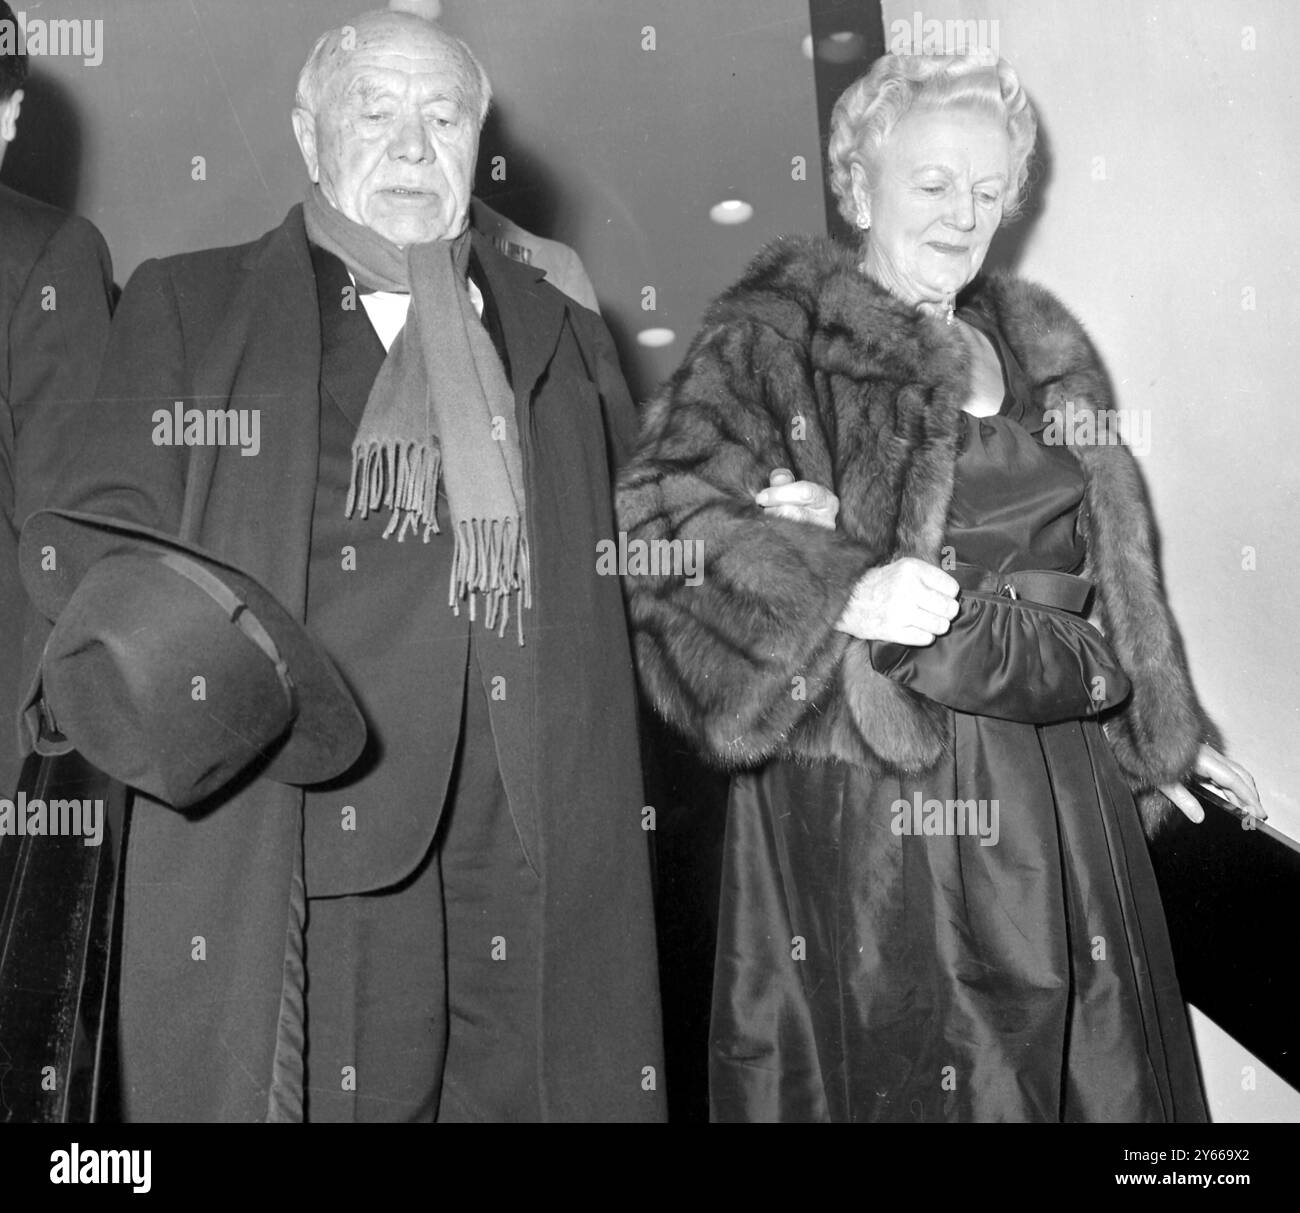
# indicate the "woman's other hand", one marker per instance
pixel 905 602
pixel 1230 779
pixel 801 500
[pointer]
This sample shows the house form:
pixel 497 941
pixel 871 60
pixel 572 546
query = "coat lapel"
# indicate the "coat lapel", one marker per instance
pixel 531 317
pixel 351 351
pixel 265 357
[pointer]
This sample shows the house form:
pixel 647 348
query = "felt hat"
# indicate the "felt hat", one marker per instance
pixel 171 670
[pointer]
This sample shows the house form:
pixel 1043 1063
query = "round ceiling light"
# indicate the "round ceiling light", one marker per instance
pixel 733 210
pixel 842 47
pixel 655 339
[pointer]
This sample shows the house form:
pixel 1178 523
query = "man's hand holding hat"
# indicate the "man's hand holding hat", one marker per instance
pixel 172 671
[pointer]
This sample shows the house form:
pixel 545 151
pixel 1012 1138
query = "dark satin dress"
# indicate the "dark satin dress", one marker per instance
pixel 1020 971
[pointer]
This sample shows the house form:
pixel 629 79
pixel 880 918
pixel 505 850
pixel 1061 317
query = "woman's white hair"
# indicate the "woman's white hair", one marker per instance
pixel 334 43
pixel 870 108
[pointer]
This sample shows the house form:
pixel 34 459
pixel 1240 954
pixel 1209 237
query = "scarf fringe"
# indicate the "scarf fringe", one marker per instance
pixel 490 557
pixel 397 476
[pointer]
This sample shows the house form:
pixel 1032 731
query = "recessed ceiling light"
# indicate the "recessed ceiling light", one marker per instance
pixel 733 210
pixel 808 47
pixel 843 47
pixel 430 10
pixel 654 339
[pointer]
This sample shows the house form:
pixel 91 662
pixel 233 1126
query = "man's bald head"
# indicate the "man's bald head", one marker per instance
pixel 388 116
pixel 378 30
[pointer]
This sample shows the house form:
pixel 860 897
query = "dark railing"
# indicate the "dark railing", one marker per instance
pixel 58 917
pixel 1229 895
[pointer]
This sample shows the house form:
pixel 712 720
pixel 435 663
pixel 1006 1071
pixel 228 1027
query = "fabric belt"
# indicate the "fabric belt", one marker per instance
pixel 1047 587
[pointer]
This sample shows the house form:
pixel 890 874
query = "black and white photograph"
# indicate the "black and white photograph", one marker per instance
pixel 649 561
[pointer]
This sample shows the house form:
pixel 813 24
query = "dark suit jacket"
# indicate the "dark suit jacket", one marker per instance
pixel 56 283
pixel 399 647
pixel 221 1038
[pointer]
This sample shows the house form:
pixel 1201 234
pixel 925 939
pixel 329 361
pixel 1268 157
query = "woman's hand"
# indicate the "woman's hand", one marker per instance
pixel 1230 779
pixel 801 500
pixel 906 602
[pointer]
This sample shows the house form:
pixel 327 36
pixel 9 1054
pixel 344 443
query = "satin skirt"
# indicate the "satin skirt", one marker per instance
pixel 886 953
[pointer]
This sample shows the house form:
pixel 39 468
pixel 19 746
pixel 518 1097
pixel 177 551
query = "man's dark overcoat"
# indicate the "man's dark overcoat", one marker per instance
pixel 212 972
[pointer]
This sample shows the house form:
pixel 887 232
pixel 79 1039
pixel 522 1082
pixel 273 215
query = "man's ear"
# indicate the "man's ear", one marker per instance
pixel 304 129
pixel 9 110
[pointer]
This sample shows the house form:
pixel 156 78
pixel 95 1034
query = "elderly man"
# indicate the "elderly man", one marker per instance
pixel 458 928
pixel 56 284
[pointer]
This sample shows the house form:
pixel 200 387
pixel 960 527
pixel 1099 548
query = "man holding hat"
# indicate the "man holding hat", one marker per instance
pixel 456 923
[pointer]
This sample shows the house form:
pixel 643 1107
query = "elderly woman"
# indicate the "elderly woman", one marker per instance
pixel 937 900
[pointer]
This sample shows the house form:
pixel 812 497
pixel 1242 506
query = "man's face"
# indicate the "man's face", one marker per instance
pixel 395 136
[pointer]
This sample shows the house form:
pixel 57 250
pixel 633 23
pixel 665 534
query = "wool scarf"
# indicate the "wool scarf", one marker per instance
pixel 441 405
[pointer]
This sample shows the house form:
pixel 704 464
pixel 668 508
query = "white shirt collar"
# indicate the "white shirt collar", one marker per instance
pixel 387 310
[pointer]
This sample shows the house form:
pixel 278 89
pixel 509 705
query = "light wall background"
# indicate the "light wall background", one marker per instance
pixel 1167 222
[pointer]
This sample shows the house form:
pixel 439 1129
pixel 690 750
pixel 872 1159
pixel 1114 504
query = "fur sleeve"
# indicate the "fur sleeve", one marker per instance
pixel 738 659
pixel 1156 733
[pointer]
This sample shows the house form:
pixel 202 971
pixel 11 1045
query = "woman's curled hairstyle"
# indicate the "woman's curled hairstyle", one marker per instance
pixel 870 108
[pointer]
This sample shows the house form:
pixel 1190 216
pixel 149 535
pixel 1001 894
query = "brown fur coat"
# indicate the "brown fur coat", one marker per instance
pixel 806 364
